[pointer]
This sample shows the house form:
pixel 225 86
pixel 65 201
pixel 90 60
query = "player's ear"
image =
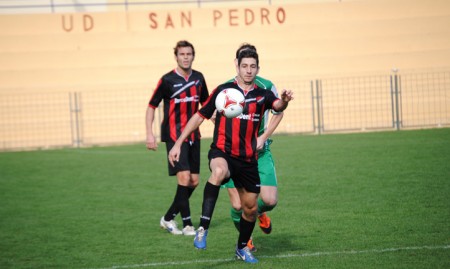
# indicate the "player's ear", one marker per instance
pixel 257 70
pixel 236 62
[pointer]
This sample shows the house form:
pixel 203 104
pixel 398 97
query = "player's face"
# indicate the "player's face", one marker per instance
pixel 184 58
pixel 247 70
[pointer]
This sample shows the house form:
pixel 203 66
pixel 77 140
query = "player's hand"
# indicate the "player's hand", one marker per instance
pixel 151 143
pixel 287 95
pixel 174 155
pixel 260 143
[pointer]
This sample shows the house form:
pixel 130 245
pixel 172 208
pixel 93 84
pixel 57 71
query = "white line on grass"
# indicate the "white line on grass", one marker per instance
pixel 312 254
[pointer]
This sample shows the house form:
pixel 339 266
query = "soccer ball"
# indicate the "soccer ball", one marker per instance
pixel 230 103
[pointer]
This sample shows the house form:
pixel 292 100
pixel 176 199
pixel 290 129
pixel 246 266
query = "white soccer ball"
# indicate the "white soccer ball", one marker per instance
pixel 230 102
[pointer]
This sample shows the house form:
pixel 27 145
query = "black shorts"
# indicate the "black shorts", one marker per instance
pixel 244 174
pixel 189 158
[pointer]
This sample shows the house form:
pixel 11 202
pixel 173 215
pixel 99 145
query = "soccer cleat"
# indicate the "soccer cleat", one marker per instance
pixel 264 223
pixel 188 230
pixel 250 245
pixel 246 255
pixel 170 226
pixel 200 238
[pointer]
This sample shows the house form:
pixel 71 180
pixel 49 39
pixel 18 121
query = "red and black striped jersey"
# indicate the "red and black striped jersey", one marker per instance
pixel 238 136
pixel 182 96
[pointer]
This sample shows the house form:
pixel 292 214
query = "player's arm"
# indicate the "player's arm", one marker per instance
pixel 275 120
pixel 150 115
pixel 149 118
pixel 281 104
pixel 192 125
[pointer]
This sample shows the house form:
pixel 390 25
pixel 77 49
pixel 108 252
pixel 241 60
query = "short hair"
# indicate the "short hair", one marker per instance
pixel 183 44
pixel 248 53
pixel 244 46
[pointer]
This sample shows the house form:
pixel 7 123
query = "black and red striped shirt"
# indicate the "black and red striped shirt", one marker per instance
pixel 182 96
pixel 238 136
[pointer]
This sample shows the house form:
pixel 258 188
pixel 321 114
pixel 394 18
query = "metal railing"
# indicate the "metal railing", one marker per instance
pixel 393 101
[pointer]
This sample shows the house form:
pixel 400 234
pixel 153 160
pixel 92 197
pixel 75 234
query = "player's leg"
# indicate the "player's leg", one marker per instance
pixel 180 204
pixel 247 224
pixel 235 210
pixel 248 186
pixel 267 173
pixel 268 198
pixel 185 182
pixel 184 191
pixel 167 221
pixel 219 171
pixel 192 160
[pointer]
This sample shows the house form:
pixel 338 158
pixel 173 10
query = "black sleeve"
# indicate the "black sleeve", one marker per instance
pixel 157 94
pixel 209 107
pixel 270 99
pixel 204 92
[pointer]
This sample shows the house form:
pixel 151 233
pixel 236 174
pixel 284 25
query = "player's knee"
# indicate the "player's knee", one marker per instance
pixel 269 199
pixel 184 178
pixel 218 174
pixel 194 185
pixel 272 202
pixel 250 213
pixel 236 205
pixel 194 181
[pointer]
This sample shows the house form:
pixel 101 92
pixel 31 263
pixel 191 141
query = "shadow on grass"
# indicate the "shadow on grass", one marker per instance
pixel 277 244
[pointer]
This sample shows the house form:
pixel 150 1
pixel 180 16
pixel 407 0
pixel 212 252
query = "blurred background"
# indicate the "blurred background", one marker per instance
pixel 79 73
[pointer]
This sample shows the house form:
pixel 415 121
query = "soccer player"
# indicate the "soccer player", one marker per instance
pixel 182 90
pixel 233 150
pixel 268 197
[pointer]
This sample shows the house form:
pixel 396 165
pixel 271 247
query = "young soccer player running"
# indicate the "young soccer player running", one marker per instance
pixel 181 89
pixel 233 150
pixel 268 196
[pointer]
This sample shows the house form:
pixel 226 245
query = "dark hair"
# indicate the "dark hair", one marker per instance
pixel 245 46
pixel 183 44
pixel 248 54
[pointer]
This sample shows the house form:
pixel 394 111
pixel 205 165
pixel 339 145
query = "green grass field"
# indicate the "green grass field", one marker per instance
pixel 372 200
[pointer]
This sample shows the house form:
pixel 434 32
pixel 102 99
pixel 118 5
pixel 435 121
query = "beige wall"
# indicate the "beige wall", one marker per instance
pixel 72 51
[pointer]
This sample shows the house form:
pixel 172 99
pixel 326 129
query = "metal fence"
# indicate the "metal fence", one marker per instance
pixel 382 102
pixel 328 105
